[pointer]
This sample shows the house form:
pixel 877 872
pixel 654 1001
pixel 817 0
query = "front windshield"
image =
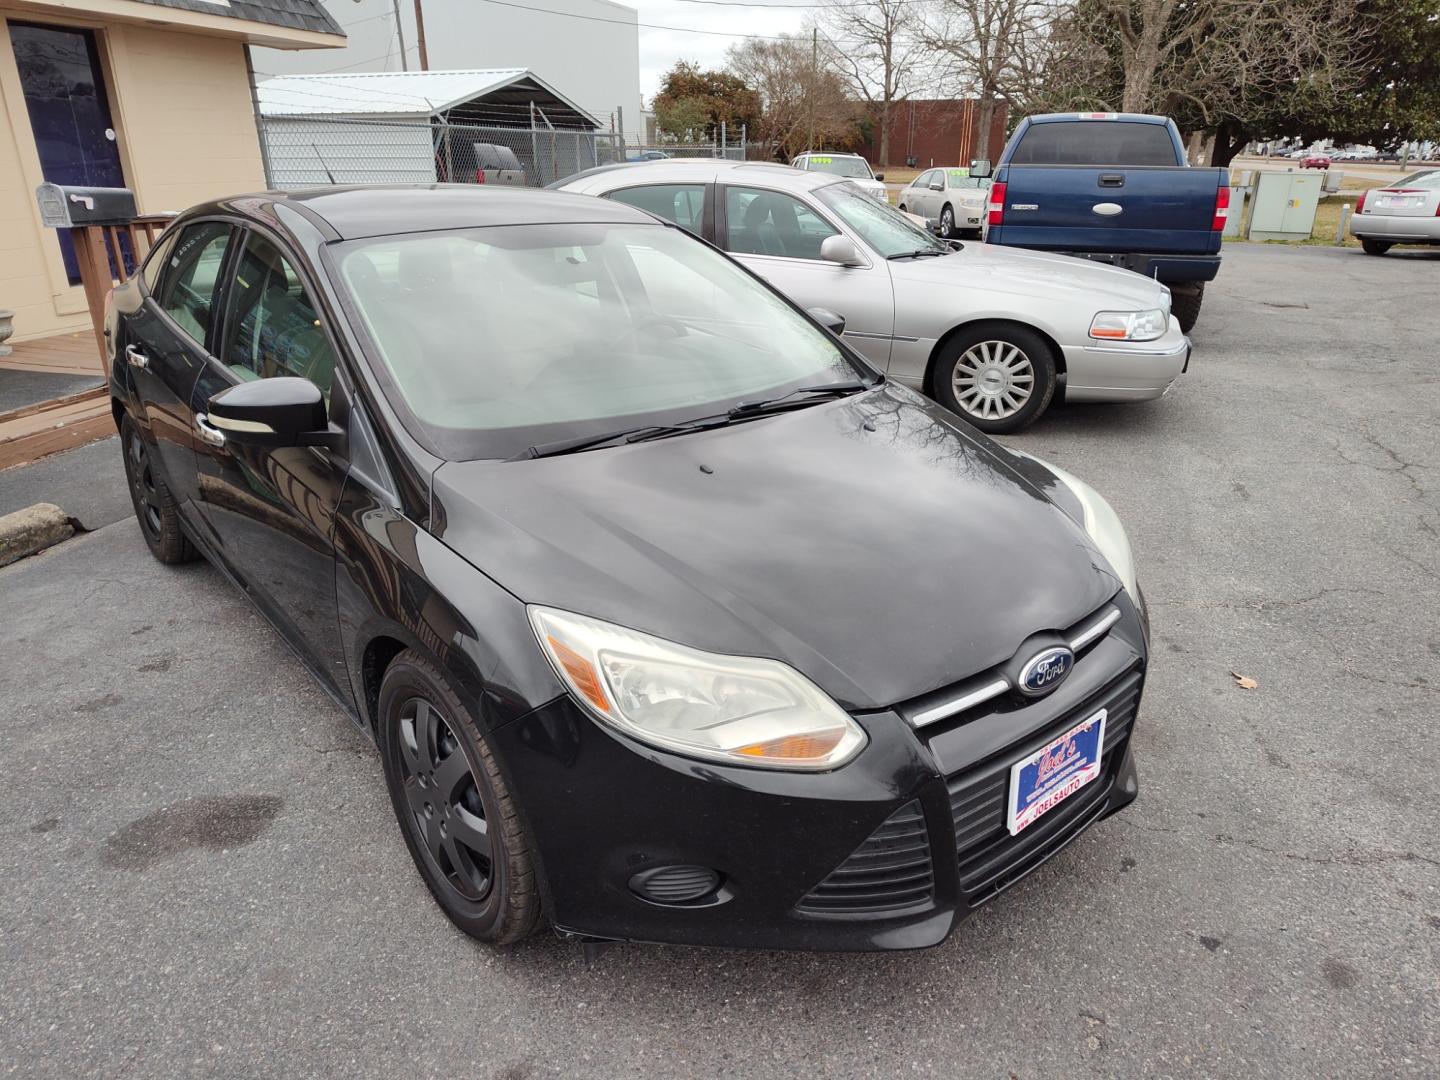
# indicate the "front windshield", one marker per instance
pixel 852 167
pixel 500 338
pixel 961 178
pixel 879 224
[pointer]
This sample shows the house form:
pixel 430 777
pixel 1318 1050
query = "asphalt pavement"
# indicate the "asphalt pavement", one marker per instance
pixel 200 873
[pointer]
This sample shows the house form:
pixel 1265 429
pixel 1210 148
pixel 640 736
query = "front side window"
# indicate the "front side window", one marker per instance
pixel 854 168
pixel 759 222
pixel 684 204
pixel 879 224
pixel 499 338
pixel 273 327
pixel 155 262
pixel 192 275
pixel 923 180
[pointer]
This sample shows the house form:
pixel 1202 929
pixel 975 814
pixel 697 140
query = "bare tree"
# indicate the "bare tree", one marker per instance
pixel 995 50
pixel 794 87
pixel 874 45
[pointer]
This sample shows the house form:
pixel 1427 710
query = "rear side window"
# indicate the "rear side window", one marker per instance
pixel 192 275
pixel 684 204
pixel 1096 142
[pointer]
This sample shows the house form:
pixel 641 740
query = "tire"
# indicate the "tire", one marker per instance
pixel 993 347
pixel 902 209
pixel 155 509
pixel 947 222
pixel 1375 247
pixel 445 813
pixel 1185 307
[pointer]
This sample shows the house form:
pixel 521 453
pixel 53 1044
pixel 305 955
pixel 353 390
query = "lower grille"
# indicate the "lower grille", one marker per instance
pixel 890 871
pixel 990 858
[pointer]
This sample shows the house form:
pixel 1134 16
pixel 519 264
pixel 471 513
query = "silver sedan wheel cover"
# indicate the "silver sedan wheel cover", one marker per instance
pixel 993 380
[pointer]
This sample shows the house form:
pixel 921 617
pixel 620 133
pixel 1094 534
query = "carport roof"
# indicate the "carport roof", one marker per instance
pixel 399 93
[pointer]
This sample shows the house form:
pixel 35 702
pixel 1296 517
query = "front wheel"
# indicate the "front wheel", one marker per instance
pixel 1375 247
pixel 457 815
pixel 947 223
pixel 155 508
pixel 998 376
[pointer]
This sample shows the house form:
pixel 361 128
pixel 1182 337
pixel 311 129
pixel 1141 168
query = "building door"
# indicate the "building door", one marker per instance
pixel 69 113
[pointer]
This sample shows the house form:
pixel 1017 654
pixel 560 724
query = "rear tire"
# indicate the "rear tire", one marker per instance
pixel 1375 247
pixel 458 817
pixel 987 370
pixel 1185 306
pixel 155 509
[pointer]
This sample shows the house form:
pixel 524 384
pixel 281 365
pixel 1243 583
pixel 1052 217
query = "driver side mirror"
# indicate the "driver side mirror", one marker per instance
pixel 832 321
pixel 879 176
pixel 284 411
pixel 980 168
pixel 842 250
pixel 937 185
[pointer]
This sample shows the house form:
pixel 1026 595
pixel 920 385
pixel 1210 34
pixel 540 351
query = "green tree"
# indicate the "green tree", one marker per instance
pixel 693 100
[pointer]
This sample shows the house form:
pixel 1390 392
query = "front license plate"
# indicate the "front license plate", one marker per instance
pixel 1059 769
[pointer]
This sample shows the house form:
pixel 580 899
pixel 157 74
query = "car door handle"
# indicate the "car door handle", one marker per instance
pixel 207 431
pixel 136 359
pixel 1112 179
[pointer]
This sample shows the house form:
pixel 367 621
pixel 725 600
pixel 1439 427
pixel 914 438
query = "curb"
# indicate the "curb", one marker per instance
pixel 32 530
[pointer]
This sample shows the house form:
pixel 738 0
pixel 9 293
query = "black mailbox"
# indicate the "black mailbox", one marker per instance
pixel 67 207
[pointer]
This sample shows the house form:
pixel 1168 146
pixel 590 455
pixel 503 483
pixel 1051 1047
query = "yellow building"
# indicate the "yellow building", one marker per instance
pixel 153 95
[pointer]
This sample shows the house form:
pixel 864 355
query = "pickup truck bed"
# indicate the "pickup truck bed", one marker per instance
pixel 1113 188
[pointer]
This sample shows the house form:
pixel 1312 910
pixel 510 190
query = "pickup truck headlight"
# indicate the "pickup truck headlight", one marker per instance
pixel 1130 325
pixel 736 709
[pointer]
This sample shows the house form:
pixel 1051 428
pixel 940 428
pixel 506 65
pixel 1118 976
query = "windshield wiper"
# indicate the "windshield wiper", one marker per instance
pixel 920 253
pixel 744 411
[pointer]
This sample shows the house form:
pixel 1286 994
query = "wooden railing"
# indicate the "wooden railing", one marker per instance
pixel 101 254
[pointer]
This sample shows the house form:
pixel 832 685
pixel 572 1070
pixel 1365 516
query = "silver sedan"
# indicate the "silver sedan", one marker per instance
pixel 950 200
pixel 993 333
pixel 1404 213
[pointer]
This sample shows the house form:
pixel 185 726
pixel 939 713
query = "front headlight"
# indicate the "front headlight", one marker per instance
pixel 737 709
pixel 1104 528
pixel 1130 325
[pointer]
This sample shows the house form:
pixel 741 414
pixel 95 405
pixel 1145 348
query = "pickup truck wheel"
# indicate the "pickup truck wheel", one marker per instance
pixel 1375 247
pixel 1186 307
pixel 998 377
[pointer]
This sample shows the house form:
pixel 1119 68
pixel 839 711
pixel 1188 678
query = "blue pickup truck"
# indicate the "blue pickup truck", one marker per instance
pixel 1112 187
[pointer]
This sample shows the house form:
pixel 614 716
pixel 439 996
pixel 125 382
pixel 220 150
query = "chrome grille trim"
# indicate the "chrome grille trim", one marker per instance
pixel 967 700
pixel 1095 629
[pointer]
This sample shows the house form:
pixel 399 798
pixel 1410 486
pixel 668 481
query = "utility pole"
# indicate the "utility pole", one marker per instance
pixel 420 35
pixel 814 72
pixel 400 33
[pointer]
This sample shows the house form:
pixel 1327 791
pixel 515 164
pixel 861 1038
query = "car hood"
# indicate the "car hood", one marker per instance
pixel 873 543
pixel 1035 273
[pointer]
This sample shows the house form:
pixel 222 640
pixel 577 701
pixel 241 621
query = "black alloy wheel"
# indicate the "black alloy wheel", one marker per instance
pixel 455 810
pixel 154 507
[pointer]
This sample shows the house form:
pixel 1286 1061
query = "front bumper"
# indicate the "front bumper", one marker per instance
pixel 1135 371
pixel 1400 230
pixel 889 852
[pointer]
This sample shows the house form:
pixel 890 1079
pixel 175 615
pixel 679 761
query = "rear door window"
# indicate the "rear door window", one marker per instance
pixel 684 204
pixel 1096 143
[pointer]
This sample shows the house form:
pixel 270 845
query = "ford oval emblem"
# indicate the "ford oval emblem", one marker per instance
pixel 1046 670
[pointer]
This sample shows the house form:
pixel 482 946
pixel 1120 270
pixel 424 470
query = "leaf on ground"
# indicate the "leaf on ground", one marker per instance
pixel 1243 681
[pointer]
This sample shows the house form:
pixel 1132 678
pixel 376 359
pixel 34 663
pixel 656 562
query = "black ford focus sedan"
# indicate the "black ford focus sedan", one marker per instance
pixel 672 618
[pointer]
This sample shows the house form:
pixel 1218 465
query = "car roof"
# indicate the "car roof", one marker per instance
pixel 827 153
pixel 698 170
pixel 378 210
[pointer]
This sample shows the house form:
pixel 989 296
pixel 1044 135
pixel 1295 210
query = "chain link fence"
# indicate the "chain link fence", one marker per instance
pixel 313 151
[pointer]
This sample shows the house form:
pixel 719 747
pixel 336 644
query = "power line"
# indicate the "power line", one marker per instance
pixel 627 22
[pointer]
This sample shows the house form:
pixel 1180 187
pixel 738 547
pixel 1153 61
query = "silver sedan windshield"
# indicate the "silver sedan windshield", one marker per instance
pixel 880 225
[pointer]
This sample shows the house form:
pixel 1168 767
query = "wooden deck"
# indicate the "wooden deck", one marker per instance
pixel 35 431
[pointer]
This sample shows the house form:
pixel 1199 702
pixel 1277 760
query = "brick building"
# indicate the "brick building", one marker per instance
pixel 936 132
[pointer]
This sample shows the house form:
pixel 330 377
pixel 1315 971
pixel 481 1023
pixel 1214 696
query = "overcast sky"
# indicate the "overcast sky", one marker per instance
pixel 659 49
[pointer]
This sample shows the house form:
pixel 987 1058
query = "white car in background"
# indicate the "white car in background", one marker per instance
pixel 1403 213
pixel 852 167
pixel 950 200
